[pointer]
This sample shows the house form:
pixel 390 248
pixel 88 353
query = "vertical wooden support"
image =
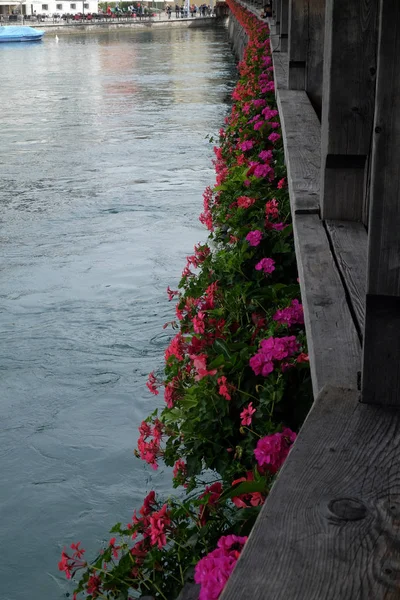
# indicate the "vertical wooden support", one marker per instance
pixel 348 105
pixel 315 53
pixel 381 352
pixel 284 25
pixel 277 15
pixel 298 42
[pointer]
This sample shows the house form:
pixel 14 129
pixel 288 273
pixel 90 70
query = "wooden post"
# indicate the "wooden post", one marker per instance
pixel 381 352
pixel 315 53
pixel 348 105
pixel 277 16
pixel 298 43
pixel 284 25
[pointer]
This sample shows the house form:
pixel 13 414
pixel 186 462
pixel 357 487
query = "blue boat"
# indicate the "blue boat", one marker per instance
pixel 13 33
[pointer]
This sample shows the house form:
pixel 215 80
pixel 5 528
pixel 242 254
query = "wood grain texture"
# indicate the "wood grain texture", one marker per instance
pixel 280 65
pixel 284 25
pixel 330 529
pixel 277 15
pixel 350 242
pixel 381 355
pixel 190 592
pixel 298 42
pixel 333 343
pixel 384 224
pixel 315 53
pixel 301 137
pixel 348 101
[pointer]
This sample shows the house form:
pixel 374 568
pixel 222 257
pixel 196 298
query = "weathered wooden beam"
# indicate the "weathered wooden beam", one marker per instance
pixel 280 66
pixel 315 53
pixel 298 43
pixel 330 528
pixel 333 343
pixel 277 15
pixel 302 142
pixel 284 25
pixel 348 105
pixel 381 352
pixel 349 242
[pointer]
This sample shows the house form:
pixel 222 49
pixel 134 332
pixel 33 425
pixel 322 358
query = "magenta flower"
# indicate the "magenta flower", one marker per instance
pixel 263 171
pixel 274 137
pixel 254 237
pixel 213 571
pixel 272 450
pixel 291 315
pixel 247 145
pixel 266 265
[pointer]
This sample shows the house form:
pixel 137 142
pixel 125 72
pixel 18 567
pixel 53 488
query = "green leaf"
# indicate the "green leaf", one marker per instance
pixel 246 487
pixel 220 345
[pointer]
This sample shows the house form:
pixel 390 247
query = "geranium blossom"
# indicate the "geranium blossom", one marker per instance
pixel 213 571
pixel 247 414
pixel 272 450
pixel 254 237
pixel 266 265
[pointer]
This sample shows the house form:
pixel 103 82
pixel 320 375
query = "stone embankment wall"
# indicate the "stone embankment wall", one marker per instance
pixel 145 24
pixel 237 36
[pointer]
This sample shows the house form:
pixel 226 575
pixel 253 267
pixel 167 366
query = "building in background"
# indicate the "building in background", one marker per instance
pixel 47 7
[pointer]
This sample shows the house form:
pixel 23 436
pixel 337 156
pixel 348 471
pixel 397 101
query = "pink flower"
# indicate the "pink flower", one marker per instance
pixel 172 293
pixel 198 323
pixel 223 388
pixel 266 265
pixel 263 171
pixel 291 315
pixel 159 521
pixel 179 468
pixel 247 414
pixel 200 366
pixel 272 450
pixel 258 125
pixel 273 349
pixel 245 201
pixel 213 571
pixel 247 145
pixel 274 137
pixel 254 237
pixel 152 384
pixel 281 183
pixel 265 155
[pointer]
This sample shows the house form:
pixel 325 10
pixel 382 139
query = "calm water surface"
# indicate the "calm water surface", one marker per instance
pixel 103 160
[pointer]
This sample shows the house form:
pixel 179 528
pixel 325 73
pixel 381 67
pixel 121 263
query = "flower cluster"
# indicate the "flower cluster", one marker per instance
pixel 212 571
pixel 272 450
pixel 272 351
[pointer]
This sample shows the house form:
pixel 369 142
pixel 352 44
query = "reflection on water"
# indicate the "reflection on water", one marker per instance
pixel 103 162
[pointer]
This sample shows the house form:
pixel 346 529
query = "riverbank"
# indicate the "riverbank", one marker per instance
pixel 78 27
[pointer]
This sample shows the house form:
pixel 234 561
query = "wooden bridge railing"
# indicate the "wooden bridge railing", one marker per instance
pixel 330 528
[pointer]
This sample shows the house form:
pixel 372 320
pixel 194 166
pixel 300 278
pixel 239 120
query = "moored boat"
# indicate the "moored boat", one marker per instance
pixel 14 33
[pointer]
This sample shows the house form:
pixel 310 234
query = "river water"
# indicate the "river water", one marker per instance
pixel 103 160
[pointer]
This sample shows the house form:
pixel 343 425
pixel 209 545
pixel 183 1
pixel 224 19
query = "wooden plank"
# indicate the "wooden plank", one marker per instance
pixel 348 101
pixel 276 11
pixel 330 529
pixel 284 25
pixel 190 592
pixel 280 65
pixel 381 360
pixel 315 53
pixel 350 244
pixel 298 42
pixel 301 137
pixel 333 343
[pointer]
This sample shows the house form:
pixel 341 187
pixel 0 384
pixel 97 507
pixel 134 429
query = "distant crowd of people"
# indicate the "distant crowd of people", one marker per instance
pixel 203 10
